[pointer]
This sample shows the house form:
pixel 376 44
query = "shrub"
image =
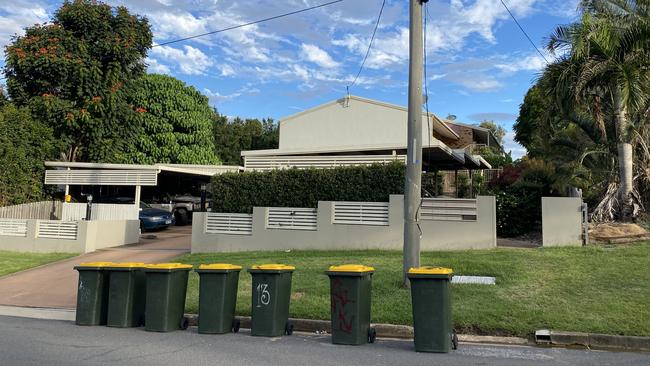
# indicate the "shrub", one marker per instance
pixel 240 192
pixel 518 192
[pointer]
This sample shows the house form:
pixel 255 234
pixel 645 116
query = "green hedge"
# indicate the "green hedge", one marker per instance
pixel 239 192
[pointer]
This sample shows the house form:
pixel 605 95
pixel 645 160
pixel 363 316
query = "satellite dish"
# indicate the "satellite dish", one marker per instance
pixel 451 117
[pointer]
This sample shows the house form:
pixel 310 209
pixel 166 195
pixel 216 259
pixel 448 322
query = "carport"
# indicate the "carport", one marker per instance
pixel 102 179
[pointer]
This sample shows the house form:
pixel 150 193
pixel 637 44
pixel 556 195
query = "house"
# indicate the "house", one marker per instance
pixel 358 131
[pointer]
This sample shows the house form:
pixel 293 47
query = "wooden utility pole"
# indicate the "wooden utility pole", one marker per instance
pixel 413 181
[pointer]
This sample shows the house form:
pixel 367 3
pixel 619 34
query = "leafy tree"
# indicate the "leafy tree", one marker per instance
pixel 176 123
pixel 603 73
pixel 3 97
pixel 498 131
pixel 25 144
pixel 494 156
pixel 233 137
pixel 72 73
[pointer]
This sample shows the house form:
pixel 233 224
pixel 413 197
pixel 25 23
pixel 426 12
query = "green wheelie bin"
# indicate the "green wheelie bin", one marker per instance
pixel 432 309
pixel 92 293
pixel 350 293
pixel 126 295
pixel 165 300
pixel 270 300
pixel 218 298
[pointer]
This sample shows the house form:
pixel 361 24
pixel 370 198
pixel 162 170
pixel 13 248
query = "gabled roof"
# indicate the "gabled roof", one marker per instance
pixel 439 125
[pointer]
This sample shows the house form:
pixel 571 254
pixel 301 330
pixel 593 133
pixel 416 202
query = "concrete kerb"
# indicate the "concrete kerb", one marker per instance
pixel 383 330
pixel 595 340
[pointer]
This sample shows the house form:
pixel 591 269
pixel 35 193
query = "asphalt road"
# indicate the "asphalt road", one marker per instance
pixel 25 341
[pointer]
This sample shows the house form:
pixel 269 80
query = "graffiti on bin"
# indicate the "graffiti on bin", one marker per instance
pixel 263 294
pixel 339 304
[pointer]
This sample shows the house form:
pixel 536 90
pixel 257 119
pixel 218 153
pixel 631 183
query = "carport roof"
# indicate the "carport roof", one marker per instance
pixel 202 170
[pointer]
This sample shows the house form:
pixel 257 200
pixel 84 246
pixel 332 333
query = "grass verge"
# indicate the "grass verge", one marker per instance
pixel 11 262
pixel 593 289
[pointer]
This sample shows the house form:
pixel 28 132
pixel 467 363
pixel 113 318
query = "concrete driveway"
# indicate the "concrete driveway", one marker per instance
pixel 55 285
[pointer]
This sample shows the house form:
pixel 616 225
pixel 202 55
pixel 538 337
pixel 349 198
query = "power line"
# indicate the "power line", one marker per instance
pixel 523 31
pixel 249 23
pixel 381 10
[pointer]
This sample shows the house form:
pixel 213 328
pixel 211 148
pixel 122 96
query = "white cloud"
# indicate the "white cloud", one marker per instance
pixel 227 70
pixel 509 144
pixel 156 67
pixel 452 26
pixel 16 15
pixel 316 55
pixel 216 97
pixel 190 60
pixel 529 63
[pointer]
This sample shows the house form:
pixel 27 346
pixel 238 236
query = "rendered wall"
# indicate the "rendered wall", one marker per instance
pixel 359 124
pixel 91 235
pixel 561 221
pixel 437 235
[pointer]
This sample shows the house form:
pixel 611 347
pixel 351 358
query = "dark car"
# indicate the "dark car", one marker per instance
pixel 154 218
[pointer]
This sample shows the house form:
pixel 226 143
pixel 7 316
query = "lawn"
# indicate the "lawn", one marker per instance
pixel 593 289
pixel 11 262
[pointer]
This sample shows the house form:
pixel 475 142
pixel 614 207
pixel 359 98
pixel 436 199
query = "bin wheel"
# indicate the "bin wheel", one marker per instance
pixel 454 341
pixel 184 323
pixel 288 329
pixel 141 322
pixel 235 325
pixel 372 335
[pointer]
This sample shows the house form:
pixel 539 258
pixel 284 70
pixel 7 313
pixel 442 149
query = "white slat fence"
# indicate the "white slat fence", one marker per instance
pixel 44 210
pixel 292 218
pixel 228 223
pixel 361 213
pixel 9 227
pixel 56 229
pixel 448 209
pixel 100 211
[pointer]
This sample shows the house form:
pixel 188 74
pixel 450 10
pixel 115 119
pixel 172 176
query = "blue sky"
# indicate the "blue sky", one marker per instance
pixel 479 63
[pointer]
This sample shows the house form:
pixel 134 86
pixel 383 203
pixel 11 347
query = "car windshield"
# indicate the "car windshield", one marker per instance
pixel 144 205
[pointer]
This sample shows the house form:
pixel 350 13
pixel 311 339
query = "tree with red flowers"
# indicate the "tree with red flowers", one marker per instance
pixel 73 72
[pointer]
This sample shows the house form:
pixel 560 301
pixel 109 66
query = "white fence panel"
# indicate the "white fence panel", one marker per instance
pixel 292 218
pixel 100 211
pixel 361 213
pixel 228 223
pixel 10 227
pixel 448 209
pixel 57 229
pixel 45 210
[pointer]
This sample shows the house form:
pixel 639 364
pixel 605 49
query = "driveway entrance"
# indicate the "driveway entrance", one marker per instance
pixel 55 285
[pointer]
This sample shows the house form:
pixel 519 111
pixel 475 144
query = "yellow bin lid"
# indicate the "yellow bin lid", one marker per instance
pixel 168 266
pixel 273 267
pixel 95 264
pixel 356 268
pixel 219 266
pixel 128 265
pixel 427 270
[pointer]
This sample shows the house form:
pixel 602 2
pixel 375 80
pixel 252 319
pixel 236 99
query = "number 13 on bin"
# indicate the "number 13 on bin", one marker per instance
pixel 263 295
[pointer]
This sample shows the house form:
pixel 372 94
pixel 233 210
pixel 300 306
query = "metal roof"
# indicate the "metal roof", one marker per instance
pixel 202 170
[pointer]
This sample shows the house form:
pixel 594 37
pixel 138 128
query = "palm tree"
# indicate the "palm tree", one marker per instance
pixel 602 68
